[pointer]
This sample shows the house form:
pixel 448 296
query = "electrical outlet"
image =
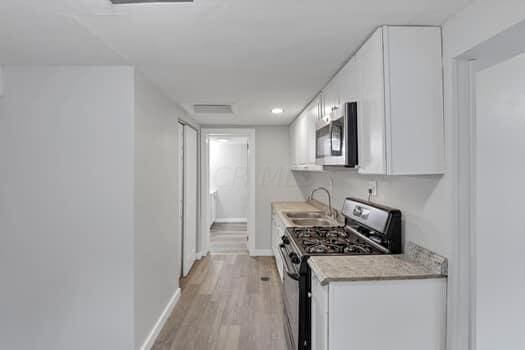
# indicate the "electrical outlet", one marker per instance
pixel 372 188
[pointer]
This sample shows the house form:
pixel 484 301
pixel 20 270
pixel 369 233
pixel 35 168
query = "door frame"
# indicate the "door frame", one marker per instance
pixel 462 277
pixel 181 170
pixel 180 189
pixel 205 181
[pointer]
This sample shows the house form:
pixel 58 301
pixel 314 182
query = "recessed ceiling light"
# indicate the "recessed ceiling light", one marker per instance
pixel 222 140
pixel 277 110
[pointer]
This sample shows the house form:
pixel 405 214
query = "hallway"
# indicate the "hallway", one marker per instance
pixel 229 238
pixel 226 306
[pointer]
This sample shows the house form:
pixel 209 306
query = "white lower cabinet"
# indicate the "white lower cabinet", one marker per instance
pixel 319 315
pixel 372 315
pixel 278 228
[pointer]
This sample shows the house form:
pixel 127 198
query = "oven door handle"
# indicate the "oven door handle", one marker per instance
pixel 292 275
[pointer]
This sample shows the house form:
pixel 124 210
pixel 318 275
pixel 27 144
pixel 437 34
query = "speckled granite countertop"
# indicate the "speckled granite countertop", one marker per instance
pixel 293 206
pixel 368 268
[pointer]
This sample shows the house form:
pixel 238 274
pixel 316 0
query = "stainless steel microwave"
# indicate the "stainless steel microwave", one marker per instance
pixel 336 137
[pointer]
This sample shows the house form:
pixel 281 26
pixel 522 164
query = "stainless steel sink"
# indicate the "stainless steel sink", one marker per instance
pixel 306 215
pixel 312 222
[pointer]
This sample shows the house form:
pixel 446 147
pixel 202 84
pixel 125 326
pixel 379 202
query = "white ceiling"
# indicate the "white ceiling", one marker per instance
pixel 254 54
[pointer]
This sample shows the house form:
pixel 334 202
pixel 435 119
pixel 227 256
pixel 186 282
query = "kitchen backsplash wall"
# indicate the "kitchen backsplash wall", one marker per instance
pixel 423 200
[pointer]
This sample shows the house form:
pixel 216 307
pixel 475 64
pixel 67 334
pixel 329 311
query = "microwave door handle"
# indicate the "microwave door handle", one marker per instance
pixel 293 275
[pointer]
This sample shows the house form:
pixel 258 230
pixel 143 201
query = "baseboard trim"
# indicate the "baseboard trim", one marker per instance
pixel 200 255
pixel 154 333
pixel 261 252
pixel 231 220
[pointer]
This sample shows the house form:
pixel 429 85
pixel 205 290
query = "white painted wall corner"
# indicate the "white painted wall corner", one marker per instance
pixel 154 333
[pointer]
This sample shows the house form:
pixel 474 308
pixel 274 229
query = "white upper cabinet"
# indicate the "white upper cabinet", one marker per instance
pixel 348 85
pixel 302 138
pixel 400 102
pixel 331 98
pixel 293 131
pixel 371 106
pixel 396 78
pixel 312 115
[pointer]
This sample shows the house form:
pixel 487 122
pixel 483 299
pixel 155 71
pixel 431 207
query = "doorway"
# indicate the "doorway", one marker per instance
pixel 490 93
pixel 228 184
pixel 499 130
pixel 188 187
pixel 228 196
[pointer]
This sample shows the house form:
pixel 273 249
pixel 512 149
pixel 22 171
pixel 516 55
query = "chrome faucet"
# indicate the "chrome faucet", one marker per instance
pixel 331 212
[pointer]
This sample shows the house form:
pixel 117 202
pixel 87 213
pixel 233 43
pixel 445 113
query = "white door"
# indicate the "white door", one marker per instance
pixel 181 194
pixel 190 199
pixel 499 193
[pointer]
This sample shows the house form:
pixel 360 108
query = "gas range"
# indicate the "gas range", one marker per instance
pixel 369 229
pixel 329 241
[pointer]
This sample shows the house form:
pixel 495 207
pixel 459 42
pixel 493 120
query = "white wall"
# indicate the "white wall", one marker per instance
pixel 229 177
pixel 500 124
pixel 274 179
pixel 66 208
pixel 479 22
pixel 423 201
pixel 476 24
pixel 89 243
pixel 157 236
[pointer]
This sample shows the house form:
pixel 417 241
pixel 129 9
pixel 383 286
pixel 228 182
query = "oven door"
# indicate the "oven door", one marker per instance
pixel 291 293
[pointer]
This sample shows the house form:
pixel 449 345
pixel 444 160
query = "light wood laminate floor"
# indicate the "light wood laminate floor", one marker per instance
pixel 226 306
pixel 229 238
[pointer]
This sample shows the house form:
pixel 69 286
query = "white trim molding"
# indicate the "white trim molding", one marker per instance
pixel 461 291
pixel 231 220
pixel 201 254
pixel 261 252
pixel 154 333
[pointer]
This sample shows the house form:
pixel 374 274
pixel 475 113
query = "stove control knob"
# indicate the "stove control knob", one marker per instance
pixel 294 258
pixel 285 240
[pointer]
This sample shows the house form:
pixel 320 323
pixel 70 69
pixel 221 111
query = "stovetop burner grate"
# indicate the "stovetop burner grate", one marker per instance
pixel 330 240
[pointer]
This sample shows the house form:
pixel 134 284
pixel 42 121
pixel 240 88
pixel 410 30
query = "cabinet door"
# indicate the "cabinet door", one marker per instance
pixel 355 320
pixel 312 113
pixel 319 315
pixel 348 83
pixel 371 106
pixel 331 97
pixel 414 109
pixel 293 144
pixel 276 240
pixel 301 139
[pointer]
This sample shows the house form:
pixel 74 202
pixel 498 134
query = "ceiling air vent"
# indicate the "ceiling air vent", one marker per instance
pixel 117 2
pixel 212 109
